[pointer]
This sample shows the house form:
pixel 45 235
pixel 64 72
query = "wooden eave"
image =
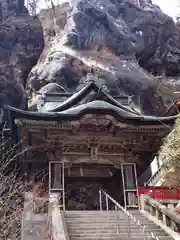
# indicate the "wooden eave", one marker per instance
pixel 98 108
pixel 174 109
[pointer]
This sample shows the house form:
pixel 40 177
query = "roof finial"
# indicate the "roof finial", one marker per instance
pixel 90 77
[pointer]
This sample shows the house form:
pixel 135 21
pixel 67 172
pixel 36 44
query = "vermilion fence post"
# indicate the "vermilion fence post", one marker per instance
pixel 154 193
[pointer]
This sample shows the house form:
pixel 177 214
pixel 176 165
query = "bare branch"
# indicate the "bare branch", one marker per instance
pixel 12 189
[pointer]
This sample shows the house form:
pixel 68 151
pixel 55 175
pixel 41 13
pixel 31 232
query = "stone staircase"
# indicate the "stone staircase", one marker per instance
pixel 150 225
pixel 110 225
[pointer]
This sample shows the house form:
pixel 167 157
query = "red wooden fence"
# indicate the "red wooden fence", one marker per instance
pixel 160 192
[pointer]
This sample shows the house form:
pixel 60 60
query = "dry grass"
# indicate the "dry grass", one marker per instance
pixel 165 90
pixel 170 157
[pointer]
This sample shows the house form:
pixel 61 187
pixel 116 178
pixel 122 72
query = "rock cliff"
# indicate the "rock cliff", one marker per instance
pixel 120 44
pixel 21 43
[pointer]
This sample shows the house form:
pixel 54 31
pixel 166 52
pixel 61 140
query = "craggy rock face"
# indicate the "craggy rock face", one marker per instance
pixel 116 42
pixel 21 43
pixel 11 7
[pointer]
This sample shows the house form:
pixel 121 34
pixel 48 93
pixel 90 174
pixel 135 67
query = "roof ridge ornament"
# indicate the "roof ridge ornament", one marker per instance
pixel 92 80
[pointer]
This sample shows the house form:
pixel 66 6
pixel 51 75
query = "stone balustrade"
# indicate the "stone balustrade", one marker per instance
pixel 59 231
pixel 168 216
pixel 170 203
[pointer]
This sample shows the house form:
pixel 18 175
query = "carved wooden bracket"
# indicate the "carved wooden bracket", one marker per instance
pixel 94 151
pixel 93 145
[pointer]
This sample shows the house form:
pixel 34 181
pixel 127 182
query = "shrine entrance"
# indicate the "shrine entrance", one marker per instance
pixel 79 184
pixel 83 192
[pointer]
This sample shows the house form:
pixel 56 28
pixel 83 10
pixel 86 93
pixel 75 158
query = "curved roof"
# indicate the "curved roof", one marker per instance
pixel 174 109
pixel 88 93
pixel 95 107
pixel 52 88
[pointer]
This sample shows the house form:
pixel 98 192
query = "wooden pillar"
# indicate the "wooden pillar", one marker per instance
pixel 129 184
pixel 57 179
pixel 55 175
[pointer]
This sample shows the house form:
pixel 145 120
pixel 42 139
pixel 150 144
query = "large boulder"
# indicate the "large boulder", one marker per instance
pixel 116 41
pixel 21 43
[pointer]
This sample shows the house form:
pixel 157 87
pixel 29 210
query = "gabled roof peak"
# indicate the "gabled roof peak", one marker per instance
pixel 89 92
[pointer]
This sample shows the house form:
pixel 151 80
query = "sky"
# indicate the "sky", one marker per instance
pixel 169 7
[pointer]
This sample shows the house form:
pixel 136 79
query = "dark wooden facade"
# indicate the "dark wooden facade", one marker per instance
pixel 93 136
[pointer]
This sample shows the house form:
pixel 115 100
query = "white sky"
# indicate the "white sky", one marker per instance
pixel 169 7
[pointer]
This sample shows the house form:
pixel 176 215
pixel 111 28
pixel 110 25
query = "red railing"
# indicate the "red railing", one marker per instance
pixel 160 192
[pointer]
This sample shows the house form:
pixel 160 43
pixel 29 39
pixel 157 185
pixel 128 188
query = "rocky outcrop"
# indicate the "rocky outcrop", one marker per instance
pixel 21 43
pixel 116 41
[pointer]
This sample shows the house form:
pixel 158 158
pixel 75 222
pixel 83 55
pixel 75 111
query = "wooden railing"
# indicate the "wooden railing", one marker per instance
pixel 168 216
pixel 159 193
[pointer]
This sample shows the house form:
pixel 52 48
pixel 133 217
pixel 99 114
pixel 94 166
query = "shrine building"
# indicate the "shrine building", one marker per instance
pixel 85 142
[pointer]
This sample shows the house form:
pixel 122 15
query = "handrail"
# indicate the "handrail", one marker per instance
pixel 153 177
pixel 171 213
pixel 168 216
pixel 127 213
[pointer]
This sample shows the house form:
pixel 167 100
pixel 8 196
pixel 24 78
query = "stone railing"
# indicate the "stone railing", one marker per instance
pixel 170 203
pixel 168 216
pixel 59 231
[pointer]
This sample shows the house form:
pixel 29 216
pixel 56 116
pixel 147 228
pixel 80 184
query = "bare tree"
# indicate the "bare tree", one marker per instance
pixel 12 189
pixel 32 6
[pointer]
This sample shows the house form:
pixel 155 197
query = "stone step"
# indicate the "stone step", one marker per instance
pixel 96 221
pixel 96 215
pixel 99 225
pixel 113 237
pixel 123 220
pixel 114 230
pixel 109 238
pixel 121 229
pixel 104 231
pixel 110 223
pixel 100 217
pixel 92 211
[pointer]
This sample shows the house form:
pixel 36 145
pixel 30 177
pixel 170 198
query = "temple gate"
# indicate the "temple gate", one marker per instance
pixel 87 142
